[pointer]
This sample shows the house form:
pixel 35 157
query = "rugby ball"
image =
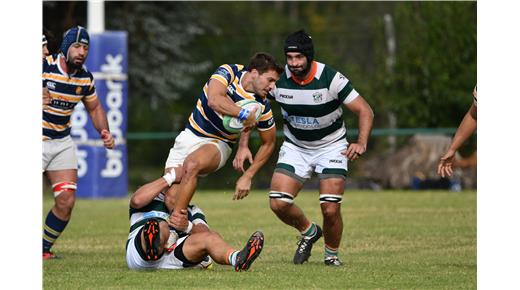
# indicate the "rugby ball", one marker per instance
pixel 233 124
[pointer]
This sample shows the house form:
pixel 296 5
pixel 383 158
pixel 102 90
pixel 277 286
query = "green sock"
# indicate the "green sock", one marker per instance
pixel 330 252
pixel 310 231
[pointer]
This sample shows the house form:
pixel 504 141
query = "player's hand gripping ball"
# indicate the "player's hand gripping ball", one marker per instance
pixel 233 124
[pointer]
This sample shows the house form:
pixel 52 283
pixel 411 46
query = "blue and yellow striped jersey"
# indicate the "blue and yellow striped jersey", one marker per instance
pixel 65 91
pixel 205 122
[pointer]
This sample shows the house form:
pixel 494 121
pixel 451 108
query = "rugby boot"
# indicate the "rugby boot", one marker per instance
pixel 303 251
pixel 250 252
pixel 332 261
pixel 152 240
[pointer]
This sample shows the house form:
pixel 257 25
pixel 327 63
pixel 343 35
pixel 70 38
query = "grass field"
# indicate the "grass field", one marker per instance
pixel 391 240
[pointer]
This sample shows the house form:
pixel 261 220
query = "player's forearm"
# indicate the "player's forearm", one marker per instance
pixel 261 157
pixel 465 130
pixel 244 139
pixel 223 105
pixel 264 152
pixel 146 193
pixel 365 121
pixel 99 118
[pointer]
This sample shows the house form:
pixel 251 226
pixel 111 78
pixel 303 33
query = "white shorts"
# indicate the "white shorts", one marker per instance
pixel 59 154
pixel 187 142
pixel 167 261
pixel 299 163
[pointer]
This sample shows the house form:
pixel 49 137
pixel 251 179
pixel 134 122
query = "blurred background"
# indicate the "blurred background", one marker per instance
pixel 414 62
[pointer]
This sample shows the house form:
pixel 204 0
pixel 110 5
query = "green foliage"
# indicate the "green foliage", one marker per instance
pixel 436 63
pixel 391 240
pixel 175 46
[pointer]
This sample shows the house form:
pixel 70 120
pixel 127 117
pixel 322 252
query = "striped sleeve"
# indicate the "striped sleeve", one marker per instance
pixel 341 86
pixel 225 74
pixel 266 120
pixel 91 94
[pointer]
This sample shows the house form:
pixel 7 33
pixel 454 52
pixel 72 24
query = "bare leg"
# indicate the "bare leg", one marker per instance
pixel 203 160
pixel 289 213
pixel 332 220
pixel 199 245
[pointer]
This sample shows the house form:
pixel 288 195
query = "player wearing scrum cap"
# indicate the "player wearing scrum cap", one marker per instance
pixel 312 96
pixel 66 82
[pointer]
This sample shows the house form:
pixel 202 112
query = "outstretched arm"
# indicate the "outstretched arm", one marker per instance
pixel 466 128
pixel 243 185
pixel 365 120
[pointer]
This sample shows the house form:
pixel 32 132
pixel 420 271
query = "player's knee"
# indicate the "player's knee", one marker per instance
pixel 330 205
pixel 191 167
pixel 280 201
pixel 65 201
pixel 330 212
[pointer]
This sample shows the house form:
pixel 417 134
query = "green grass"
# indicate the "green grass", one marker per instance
pixel 391 240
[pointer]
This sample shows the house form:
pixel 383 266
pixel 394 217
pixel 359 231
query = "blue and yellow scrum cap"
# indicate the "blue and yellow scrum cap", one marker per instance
pixel 73 35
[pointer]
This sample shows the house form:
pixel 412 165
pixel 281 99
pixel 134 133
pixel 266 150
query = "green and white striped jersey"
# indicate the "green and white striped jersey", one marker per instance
pixel 157 209
pixel 312 109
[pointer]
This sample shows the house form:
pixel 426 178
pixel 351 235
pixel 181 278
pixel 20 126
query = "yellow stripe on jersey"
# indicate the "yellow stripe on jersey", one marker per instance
pixel 266 117
pixel 66 80
pixel 58 112
pixel 55 127
pixel 64 97
pixel 50 60
pixel 91 98
pixel 200 130
pixel 229 69
pixel 239 90
pixel 201 110
pixel 220 79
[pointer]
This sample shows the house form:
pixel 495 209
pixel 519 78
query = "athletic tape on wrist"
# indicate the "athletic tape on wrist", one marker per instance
pixel 169 177
pixel 244 113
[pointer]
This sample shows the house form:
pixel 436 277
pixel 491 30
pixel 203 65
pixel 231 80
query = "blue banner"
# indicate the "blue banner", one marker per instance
pixel 102 172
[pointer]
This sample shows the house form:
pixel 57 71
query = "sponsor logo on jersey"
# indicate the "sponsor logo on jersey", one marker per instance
pixel 51 85
pixel 286 96
pixel 78 90
pixel 303 120
pixel 335 161
pixel 317 97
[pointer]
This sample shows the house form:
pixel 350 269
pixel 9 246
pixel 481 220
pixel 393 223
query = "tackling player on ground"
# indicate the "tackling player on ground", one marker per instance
pixel 147 245
pixel 311 95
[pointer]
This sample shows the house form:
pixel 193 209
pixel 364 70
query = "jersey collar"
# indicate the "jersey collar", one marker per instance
pixel 310 77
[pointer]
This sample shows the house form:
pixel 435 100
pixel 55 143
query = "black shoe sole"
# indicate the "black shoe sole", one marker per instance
pixel 253 249
pixel 152 240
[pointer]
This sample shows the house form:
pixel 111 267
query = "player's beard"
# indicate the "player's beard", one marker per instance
pixel 301 73
pixel 73 66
